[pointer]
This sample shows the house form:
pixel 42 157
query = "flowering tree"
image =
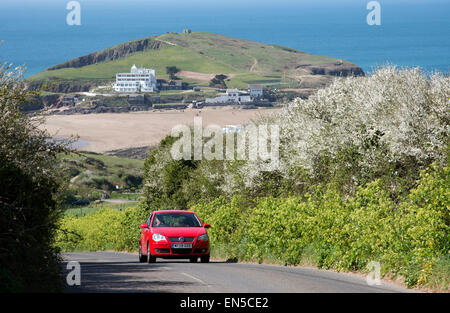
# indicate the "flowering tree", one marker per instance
pixel 389 126
pixel 397 117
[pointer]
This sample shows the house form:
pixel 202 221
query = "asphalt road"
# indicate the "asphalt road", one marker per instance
pixel 121 272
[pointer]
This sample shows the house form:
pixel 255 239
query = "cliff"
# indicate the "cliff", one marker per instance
pixel 111 54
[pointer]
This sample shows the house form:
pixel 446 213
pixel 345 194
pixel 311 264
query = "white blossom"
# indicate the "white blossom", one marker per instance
pixel 402 110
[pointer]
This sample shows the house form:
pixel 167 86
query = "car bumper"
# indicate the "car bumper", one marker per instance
pixel 165 250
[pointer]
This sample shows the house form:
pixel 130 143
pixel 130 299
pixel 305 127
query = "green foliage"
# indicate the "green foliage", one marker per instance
pixel 92 175
pixel 165 178
pixel 171 71
pixel 425 226
pixel 28 215
pixel 218 81
pixel 105 229
pixel 409 238
pixel 228 220
pixel 29 204
pixel 439 279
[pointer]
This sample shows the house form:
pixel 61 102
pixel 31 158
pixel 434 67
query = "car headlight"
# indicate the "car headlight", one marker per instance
pixel 203 237
pixel 158 237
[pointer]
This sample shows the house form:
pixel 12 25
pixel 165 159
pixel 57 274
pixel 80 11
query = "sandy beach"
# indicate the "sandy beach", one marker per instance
pixel 111 131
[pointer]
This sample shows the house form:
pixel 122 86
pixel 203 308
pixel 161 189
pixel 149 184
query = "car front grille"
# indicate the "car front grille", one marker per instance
pixel 177 239
pixel 181 251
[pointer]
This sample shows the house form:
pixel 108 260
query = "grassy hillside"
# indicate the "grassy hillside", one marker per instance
pixel 92 175
pixel 245 61
pixel 157 59
pixel 244 55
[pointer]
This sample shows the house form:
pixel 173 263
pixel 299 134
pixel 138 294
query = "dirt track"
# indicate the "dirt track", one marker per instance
pixel 200 76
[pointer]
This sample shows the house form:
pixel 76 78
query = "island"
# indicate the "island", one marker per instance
pixel 181 70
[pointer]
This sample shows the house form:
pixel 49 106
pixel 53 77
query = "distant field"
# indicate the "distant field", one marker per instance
pixel 83 210
pixel 114 164
pixel 126 196
pixel 92 176
pixel 92 171
pixel 245 55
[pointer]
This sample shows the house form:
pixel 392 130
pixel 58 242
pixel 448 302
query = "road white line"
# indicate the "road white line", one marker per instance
pixel 195 278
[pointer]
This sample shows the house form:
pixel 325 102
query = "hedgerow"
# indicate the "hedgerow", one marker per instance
pixel 105 229
pixel 29 192
pixel 408 238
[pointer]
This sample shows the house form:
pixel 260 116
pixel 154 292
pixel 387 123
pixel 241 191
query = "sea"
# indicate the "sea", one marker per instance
pixel 411 32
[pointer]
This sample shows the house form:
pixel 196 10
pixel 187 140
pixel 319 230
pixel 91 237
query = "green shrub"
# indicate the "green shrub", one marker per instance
pixel 228 220
pixel 424 223
pixel 105 229
pixel 29 192
pixel 409 238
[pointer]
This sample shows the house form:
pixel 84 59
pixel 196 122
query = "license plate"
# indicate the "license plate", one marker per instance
pixel 182 245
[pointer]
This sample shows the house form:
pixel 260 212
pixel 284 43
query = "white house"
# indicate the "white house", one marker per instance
pixel 231 96
pixel 256 91
pixel 232 129
pixel 139 79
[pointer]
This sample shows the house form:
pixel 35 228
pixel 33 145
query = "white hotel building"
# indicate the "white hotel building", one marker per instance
pixel 230 97
pixel 140 79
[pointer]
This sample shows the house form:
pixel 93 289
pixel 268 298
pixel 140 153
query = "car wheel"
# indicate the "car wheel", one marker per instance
pixel 142 258
pixel 150 258
pixel 204 259
pixel 193 260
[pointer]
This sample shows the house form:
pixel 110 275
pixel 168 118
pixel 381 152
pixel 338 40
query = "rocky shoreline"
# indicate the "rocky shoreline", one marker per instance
pixel 100 109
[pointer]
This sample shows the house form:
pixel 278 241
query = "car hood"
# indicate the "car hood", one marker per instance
pixel 179 231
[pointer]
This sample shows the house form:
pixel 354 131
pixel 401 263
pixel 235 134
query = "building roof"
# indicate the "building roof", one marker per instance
pixel 136 70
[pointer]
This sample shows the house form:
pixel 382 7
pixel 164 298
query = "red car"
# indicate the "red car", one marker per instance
pixel 174 235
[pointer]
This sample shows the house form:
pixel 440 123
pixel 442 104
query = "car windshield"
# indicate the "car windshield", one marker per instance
pixel 176 220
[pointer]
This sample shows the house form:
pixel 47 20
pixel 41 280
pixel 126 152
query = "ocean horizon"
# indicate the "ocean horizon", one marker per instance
pixel 412 33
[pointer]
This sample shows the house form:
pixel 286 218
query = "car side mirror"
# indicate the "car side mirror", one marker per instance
pixel 144 225
pixel 207 226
